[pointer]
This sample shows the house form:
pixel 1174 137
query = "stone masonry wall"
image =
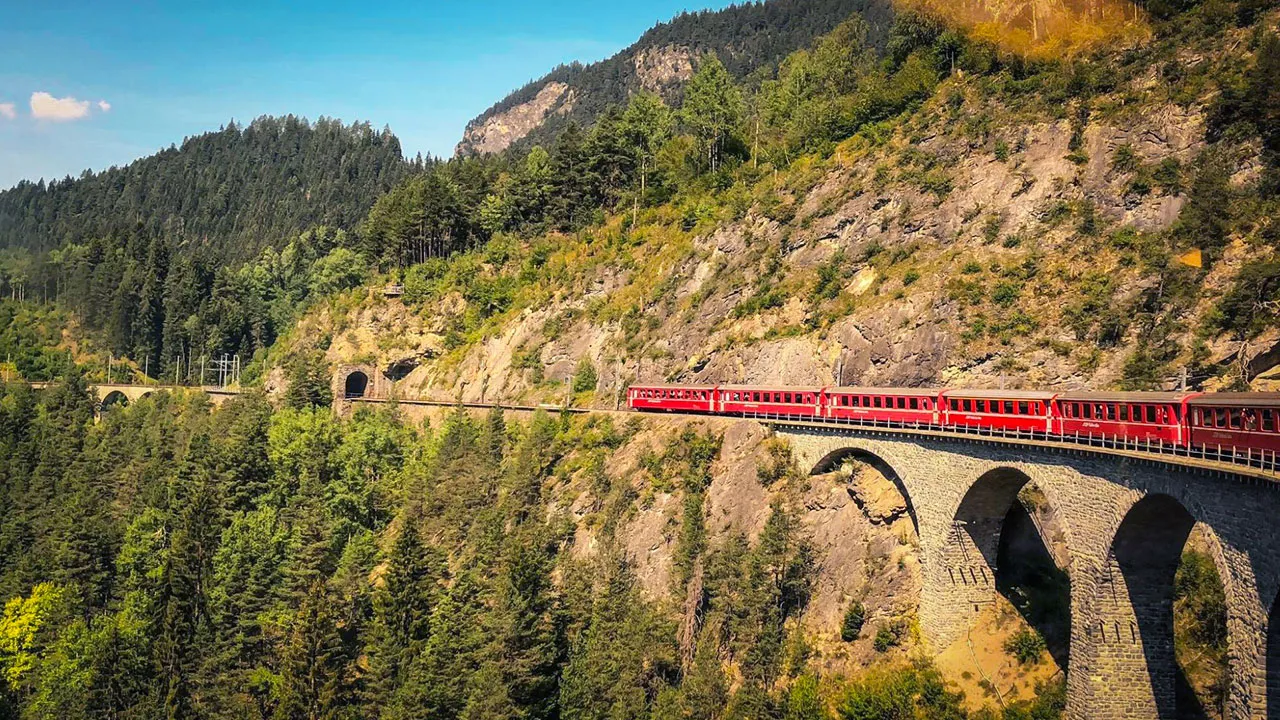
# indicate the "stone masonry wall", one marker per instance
pixel 1121 655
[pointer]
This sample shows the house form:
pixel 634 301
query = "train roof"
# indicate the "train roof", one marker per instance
pixel 999 394
pixel 774 388
pixel 885 390
pixel 1128 397
pixel 1246 399
pixel 671 386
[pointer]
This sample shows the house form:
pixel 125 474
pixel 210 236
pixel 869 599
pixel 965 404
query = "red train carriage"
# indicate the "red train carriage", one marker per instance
pixel 1133 416
pixel 672 398
pixel 1000 410
pixel 789 401
pixel 893 405
pixel 1243 423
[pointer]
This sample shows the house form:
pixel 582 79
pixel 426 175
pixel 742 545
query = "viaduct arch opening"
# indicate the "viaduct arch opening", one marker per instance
pixel 1005 546
pixel 835 460
pixel 885 553
pixel 115 398
pixel 356 385
pixel 1149 664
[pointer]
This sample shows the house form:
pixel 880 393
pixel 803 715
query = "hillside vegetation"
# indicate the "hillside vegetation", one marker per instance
pixel 952 213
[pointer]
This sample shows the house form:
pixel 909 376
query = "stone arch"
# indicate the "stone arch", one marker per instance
pixel 356 384
pixel 1136 668
pixel 115 398
pixel 833 460
pixel 991 525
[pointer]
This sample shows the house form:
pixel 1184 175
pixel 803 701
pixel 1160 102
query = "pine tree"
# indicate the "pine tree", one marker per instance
pixel 403 609
pixel 315 682
pixel 308 383
pixel 183 603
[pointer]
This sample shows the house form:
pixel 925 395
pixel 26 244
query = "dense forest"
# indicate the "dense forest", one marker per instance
pixel 176 562
pixel 228 193
pixel 752 37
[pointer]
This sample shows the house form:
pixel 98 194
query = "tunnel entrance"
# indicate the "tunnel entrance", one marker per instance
pixel 357 385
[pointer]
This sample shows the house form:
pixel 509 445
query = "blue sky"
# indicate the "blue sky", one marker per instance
pixel 95 84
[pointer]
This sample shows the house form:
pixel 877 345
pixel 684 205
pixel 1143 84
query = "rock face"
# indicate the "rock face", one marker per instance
pixel 661 68
pixel 496 132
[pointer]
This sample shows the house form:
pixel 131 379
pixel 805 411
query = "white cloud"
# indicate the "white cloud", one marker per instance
pixel 47 107
pixel 8 111
pixel 104 106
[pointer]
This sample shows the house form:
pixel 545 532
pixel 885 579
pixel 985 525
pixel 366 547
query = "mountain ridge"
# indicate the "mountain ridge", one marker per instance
pixel 747 38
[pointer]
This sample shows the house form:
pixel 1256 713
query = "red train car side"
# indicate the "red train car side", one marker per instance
pixel 788 401
pixel 1002 410
pixel 1240 423
pixel 673 398
pixel 1125 416
pixel 892 405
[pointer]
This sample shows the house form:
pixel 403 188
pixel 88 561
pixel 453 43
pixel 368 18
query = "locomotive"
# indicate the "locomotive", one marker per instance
pixel 1235 427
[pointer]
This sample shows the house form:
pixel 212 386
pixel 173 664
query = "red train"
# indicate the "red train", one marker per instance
pixel 1234 426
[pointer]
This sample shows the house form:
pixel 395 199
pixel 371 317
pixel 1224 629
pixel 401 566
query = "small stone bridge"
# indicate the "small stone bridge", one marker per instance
pixel 110 394
pixel 1124 520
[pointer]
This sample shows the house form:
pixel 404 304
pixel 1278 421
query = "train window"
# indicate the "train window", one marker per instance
pixel 1023 408
pixel 1268 420
pixel 1151 413
pixel 1124 413
pixel 913 404
pixel 1219 417
pixel 1233 419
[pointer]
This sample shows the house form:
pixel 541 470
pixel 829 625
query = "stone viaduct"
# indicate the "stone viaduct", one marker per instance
pixel 1124 522
pixel 109 395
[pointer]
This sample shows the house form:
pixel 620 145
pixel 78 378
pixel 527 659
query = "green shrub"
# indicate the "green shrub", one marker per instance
pixel 1125 159
pixel 585 376
pixel 910 277
pixel 1026 646
pixel 889 635
pixel 1006 293
pixel 854 618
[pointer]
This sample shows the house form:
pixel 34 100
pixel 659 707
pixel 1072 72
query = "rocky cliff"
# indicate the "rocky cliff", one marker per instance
pixel 746 37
